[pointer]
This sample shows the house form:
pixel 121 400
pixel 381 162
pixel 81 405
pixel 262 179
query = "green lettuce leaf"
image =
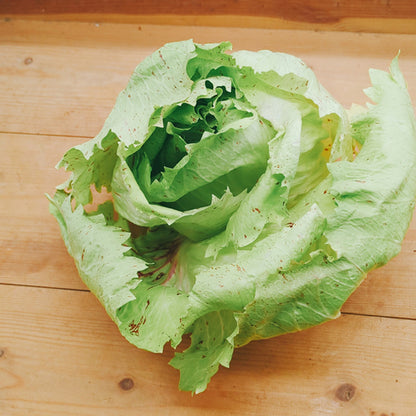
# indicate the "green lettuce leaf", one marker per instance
pixel 212 346
pixel 245 201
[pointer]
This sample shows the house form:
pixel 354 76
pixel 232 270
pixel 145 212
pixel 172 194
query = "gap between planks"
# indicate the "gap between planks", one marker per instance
pixel 28 133
pixel 65 356
pixel 89 291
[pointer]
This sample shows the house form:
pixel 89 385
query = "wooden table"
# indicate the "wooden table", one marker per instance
pixel 60 354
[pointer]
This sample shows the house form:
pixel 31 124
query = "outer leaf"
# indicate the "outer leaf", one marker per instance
pixel 99 251
pixel 96 169
pixel 212 346
pixel 155 317
pixel 298 299
pixel 376 191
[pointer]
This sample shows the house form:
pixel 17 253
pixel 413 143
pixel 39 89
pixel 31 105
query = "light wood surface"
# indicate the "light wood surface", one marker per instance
pixel 60 354
pixel 64 357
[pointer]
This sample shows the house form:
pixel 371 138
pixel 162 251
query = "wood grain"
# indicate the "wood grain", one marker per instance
pixel 396 16
pixel 59 352
pixel 60 78
pixel 63 356
pixel 31 249
pixel 348 24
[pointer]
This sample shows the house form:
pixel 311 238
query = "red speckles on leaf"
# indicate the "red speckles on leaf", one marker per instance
pixel 161 57
pixel 134 328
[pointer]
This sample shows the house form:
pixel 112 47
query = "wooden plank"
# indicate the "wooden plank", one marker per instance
pixel 303 10
pixel 348 24
pixel 60 78
pixel 32 251
pixel 398 16
pixel 61 354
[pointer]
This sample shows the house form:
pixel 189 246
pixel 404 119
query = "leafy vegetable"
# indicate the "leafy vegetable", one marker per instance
pixel 246 202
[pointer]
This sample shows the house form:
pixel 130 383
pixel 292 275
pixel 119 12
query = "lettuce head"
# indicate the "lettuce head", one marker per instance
pixel 245 201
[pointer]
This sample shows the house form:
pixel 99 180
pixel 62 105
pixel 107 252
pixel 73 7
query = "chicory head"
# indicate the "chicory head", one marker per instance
pixel 245 201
